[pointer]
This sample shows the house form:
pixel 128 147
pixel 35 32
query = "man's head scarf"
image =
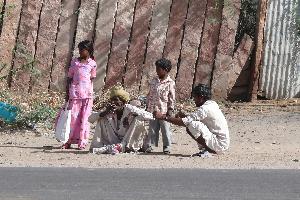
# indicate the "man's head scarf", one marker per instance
pixel 118 91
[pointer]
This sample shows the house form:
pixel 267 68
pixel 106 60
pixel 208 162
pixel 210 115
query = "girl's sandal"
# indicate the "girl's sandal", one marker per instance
pixel 81 147
pixel 66 146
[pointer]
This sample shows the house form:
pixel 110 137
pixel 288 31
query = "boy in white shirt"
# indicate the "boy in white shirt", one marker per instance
pixel 207 125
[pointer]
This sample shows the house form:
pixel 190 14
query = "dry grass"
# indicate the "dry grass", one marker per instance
pixel 39 107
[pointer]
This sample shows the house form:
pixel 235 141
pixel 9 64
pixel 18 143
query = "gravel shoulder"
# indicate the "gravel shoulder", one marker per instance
pixel 262 137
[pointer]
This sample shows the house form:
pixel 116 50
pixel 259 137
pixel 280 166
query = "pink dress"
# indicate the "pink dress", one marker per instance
pixel 81 100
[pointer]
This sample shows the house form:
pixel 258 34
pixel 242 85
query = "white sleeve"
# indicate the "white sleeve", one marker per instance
pixel 142 114
pixel 198 115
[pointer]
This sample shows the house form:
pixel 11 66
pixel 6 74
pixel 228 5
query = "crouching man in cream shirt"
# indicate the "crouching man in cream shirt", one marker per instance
pixel 207 125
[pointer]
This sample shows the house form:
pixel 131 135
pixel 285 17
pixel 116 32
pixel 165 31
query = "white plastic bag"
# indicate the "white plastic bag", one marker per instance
pixel 62 128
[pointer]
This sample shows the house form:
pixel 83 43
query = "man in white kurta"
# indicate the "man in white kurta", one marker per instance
pixel 207 125
pixel 123 133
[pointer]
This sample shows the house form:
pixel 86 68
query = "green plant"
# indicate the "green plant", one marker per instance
pixel 247 21
pixel 4 75
pixel 232 11
pixel 38 108
pixel 2 66
pixel 30 62
pixel 7 11
pixel 38 114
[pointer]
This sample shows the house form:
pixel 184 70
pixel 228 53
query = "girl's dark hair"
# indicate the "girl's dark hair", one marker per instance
pixel 164 64
pixel 88 45
pixel 202 90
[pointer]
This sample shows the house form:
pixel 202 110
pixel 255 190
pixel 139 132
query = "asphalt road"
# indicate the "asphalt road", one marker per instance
pixel 142 184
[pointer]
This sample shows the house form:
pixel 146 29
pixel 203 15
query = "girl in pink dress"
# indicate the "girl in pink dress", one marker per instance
pixel 80 94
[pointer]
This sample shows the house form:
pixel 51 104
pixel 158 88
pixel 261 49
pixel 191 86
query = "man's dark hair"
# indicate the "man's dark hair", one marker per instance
pixel 164 64
pixel 202 90
pixel 88 45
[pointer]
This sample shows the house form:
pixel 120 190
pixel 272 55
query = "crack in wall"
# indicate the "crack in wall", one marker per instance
pixel 95 24
pixel 31 80
pixel 200 44
pixel 129 42
pixel 146 48
pixel 216 50
pixel 111 41
pixel 10 75
pixel 75 33
pixel 2 14
pixel 54 51
pixel 181 42
pixel 163 53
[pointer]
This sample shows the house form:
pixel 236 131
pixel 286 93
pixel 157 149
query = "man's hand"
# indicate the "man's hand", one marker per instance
pixel 180 114
pixel 109 108
pixel 170 113
pixel 159 115
pixel 173 120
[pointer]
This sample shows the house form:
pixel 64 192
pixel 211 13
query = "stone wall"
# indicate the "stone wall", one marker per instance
pixel 39 38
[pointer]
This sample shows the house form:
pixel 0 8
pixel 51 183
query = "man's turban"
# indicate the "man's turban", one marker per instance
pixel 118 91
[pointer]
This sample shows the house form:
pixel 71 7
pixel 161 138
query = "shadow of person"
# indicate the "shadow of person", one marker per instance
pixel 68 151
pixel 162 154
pixel 21 147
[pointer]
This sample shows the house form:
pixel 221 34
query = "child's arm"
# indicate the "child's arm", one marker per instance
pixel 70 78
pixel 174 120
pixel 171 99
pixel 93 71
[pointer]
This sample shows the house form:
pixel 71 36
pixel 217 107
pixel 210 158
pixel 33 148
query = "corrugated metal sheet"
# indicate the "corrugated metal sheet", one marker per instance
pixel 280 74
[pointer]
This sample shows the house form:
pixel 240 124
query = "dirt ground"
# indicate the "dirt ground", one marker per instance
pixel 263 135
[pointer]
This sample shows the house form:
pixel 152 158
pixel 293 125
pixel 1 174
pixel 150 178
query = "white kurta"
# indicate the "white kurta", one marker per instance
pixel 210 123
pixel 111 131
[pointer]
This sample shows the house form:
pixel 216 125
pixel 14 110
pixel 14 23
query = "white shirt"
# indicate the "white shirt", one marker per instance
pixel 109 130
pixel 212 117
